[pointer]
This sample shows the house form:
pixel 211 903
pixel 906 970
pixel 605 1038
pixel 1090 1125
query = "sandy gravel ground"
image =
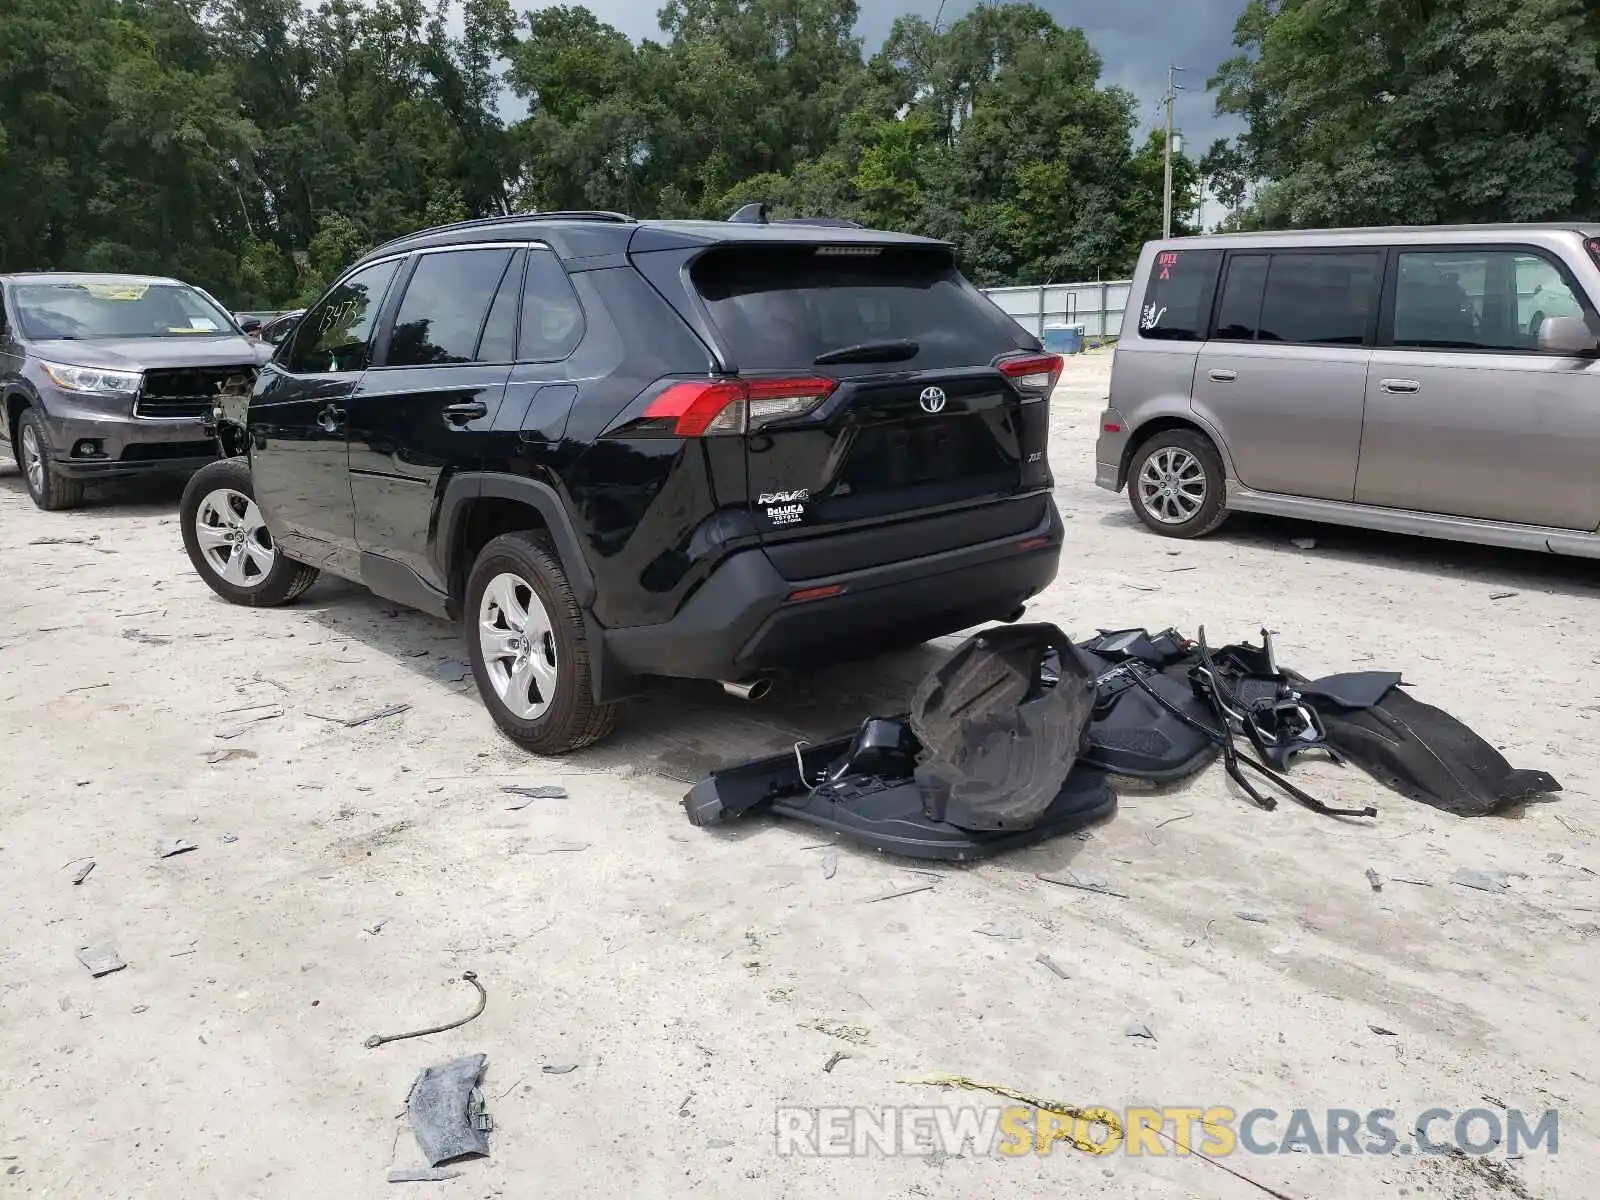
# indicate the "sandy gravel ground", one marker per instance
pixel 346 877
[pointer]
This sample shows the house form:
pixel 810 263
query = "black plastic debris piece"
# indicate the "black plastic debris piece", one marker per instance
pixel 1426 754
pixel 446 1109
pixel 100 960
pixel 997 738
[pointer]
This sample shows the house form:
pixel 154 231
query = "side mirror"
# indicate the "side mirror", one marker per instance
pixel 1567 335
pixel 250 325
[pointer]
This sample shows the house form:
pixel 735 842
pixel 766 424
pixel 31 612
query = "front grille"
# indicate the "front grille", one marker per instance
pixel 186 392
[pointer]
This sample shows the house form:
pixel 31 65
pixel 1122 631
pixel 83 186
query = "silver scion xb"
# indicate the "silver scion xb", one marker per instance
pixel 1442 381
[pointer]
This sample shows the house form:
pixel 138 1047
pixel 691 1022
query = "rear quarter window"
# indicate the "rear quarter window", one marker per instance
pixel 1177 298
pixel 778 308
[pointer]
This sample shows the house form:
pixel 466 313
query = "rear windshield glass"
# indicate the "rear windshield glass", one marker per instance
pixel 71 309
pixel 779 308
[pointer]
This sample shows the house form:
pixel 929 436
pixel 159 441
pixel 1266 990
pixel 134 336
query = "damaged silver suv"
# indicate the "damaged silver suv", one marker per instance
pixel 105 376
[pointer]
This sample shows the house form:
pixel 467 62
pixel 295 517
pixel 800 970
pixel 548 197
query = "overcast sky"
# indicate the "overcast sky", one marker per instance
pixel 1136 39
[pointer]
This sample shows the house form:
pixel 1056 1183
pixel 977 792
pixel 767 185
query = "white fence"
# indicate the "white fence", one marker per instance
pixel 1097 306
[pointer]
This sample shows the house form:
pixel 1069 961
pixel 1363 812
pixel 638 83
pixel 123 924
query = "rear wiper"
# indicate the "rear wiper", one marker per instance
pixel 897 350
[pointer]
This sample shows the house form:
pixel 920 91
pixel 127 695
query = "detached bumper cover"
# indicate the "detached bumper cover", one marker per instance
pixel 742 620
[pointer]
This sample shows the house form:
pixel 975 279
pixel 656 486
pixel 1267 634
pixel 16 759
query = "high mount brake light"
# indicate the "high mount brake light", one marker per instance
pixel 709 407
pixel 1034 374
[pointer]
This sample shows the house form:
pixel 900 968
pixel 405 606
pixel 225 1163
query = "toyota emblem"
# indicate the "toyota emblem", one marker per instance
pixel 932 400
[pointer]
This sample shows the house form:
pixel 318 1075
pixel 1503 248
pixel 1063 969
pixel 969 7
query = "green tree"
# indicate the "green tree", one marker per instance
pixel 1375 111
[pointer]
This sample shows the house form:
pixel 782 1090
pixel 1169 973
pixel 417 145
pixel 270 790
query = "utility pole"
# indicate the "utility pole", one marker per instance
pixel 1171 101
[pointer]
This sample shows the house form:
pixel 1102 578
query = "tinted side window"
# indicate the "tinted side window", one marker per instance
pixel 1478 299
pixel 333 336
pixel 552 319
pixel 445 305
pixel 1239 310
pixel 499 341
pixel 1320 299
pixel 1177 300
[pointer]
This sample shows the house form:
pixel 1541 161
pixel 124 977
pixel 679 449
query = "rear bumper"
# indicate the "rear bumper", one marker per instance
pixel 742 622
pixel 1109 448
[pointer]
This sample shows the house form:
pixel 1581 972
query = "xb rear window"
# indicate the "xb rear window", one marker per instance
pixel 779 308
pixel 1177 298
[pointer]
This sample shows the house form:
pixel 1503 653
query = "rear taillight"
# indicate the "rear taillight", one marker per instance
pixel 709 407
pixel 1034 375
pixel 1593 246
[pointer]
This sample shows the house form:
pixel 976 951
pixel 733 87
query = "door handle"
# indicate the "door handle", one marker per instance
pixel 460 414
pixel 330 418
pixel 1399 385
pixel 1223 376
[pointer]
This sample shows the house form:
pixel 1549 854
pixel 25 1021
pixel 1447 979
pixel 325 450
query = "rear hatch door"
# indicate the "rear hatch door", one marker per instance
pixel 884 390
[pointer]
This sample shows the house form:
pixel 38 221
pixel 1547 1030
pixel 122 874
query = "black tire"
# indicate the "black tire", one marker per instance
pixel 52 491
pixel 282 581
pixel 571 719
pixel 1199 450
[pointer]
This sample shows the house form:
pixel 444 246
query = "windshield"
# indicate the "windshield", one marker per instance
pixel 68 309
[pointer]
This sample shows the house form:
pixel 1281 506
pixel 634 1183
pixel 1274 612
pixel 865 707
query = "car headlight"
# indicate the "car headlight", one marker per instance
pixel 94 381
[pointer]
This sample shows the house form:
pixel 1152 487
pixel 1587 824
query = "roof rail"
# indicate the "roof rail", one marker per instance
pixel 614 218
pixel 756 214
pixel 824 222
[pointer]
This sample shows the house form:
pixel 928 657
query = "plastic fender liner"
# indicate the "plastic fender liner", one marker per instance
pixel 998 741
pixel 1426 754
pixel 878 812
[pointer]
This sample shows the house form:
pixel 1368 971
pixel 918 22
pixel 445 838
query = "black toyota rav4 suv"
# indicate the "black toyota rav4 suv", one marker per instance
pixel 616 449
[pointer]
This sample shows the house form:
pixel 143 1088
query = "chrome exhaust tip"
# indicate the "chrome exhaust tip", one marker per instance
pixel 748 689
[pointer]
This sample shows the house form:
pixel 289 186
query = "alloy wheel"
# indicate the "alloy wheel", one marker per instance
pixel 1172 485
pixel 32 460
pixel 519 646
pixel 233 537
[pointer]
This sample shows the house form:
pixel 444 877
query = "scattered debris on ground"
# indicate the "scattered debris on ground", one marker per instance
pixel 830 864
pixel 1375 880
pixel 530 794
pixel 146 639
pixel 83 870
pixel 1050 964
pixel 856 1035
pixel 560 1068
pixel 483 1002
pixel 168 846
pixel 1140 1030
pixel 268 714
pixel 1084 881
pixel 447 1110
pixel 895 895
pixel 834 1059
pixel 422 1175
pixel 1483 881
pixel 101 960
